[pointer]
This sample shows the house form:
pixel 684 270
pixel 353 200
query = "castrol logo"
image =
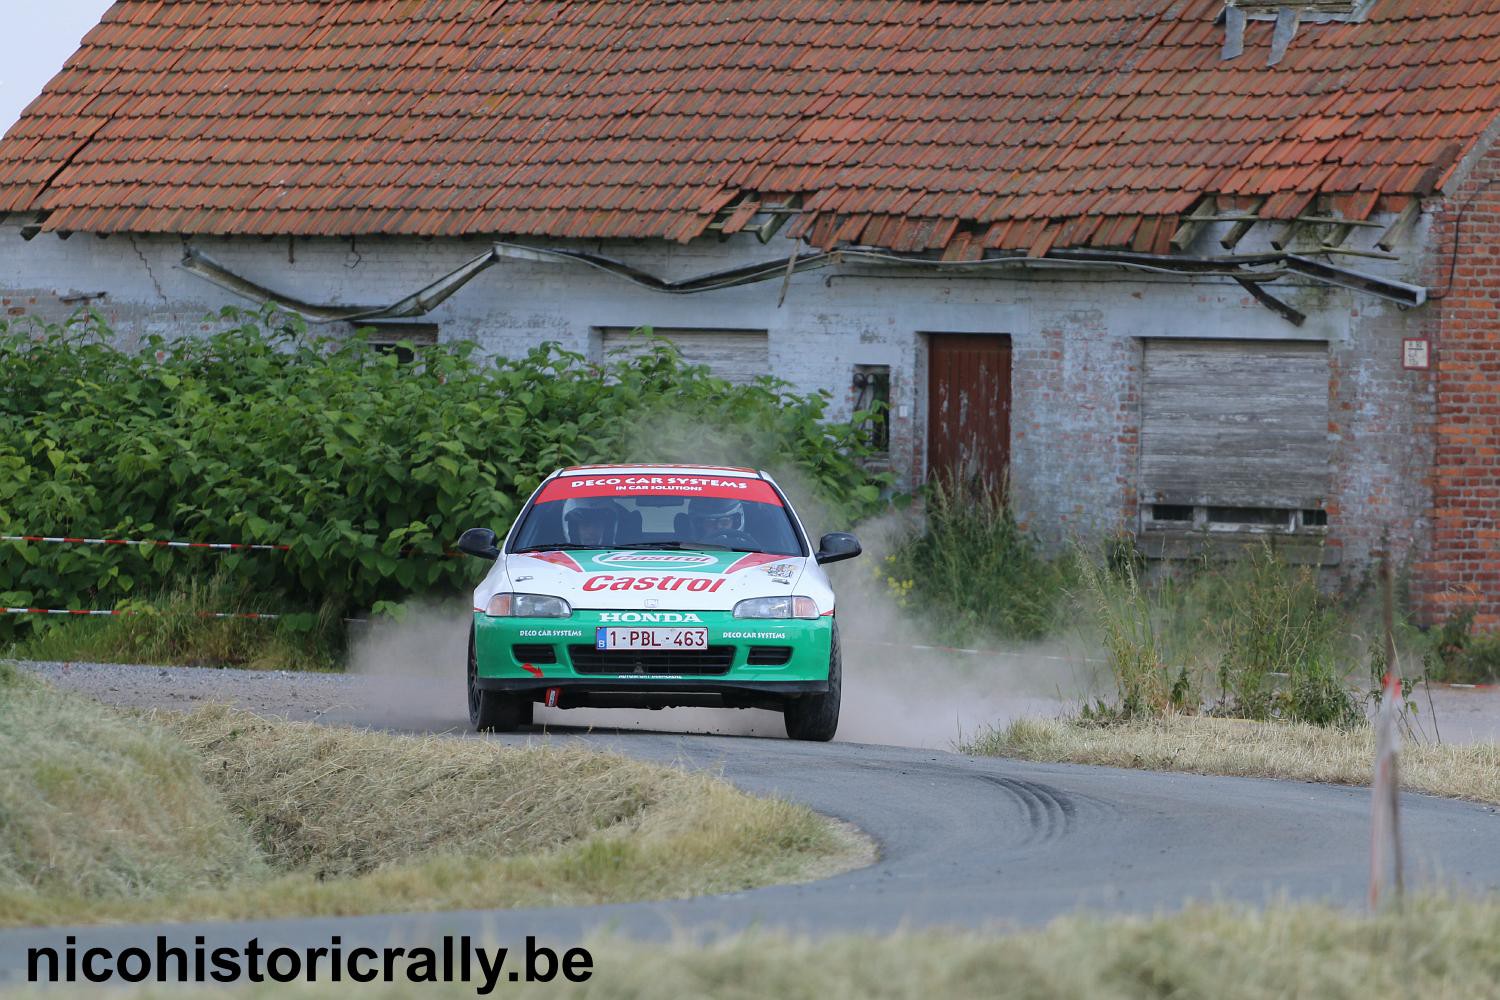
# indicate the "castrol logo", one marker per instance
pixel 653 560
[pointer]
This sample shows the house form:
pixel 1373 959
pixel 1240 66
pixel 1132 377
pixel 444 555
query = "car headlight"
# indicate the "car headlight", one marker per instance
pixel 777 607
pixel 528 606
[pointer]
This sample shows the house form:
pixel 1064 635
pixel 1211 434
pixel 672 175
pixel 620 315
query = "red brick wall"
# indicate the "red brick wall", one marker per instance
pixel 1460 565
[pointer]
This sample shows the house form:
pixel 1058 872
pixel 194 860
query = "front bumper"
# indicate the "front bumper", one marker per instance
pixel 749 662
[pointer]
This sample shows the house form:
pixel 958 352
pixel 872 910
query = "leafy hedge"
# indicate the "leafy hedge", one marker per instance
pixel 369 468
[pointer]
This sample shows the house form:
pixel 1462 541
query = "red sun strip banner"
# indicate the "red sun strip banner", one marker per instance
pixel 727 488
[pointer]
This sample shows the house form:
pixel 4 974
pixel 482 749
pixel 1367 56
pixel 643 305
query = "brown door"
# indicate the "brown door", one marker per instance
pixel 968 408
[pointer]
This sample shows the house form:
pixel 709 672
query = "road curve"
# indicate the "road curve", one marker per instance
pixel 964 842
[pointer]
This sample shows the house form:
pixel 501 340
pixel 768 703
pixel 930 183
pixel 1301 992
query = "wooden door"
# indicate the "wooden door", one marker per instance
pixel 968 408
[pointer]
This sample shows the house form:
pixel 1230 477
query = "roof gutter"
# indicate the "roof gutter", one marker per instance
pixel 1247 269
pixel 419 303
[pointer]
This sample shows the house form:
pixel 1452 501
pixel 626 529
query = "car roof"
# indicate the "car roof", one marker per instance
pixel 660 469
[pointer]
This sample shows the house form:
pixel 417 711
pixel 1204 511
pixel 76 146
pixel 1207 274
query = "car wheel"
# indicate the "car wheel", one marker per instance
pixel 492 711
pixel 816 716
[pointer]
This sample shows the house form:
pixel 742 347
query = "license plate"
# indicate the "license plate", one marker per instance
pixel 609 637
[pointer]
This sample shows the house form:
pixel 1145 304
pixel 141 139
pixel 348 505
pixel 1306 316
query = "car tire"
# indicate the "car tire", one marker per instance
pixel 493 711
pixel 815 717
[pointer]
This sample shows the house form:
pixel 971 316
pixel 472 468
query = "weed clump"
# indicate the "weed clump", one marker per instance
pixel 1137 642
pixel 1272 624
pixel 1457 655
pixel 973 571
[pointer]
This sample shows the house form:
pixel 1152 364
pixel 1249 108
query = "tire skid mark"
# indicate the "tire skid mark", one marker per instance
pixel 1050 814
pixel 1046 816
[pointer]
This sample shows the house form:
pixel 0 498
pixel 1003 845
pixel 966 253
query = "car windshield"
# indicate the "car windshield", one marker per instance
pixel 658 511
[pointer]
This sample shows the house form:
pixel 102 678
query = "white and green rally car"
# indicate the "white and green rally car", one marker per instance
pixel 656 586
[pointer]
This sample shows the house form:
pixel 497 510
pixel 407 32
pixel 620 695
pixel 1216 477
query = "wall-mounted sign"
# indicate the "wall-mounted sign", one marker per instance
pixel 1414 353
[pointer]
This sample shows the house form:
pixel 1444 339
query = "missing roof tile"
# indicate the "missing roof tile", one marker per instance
pixel 1288 16
pixel 1309 10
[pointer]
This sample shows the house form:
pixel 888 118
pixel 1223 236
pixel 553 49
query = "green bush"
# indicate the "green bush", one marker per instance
pixel 369 468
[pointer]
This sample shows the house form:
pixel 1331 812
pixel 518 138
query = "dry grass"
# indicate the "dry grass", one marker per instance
pixel 234 816
pixel 1203 745
pixel 1438 949
pixel 95 804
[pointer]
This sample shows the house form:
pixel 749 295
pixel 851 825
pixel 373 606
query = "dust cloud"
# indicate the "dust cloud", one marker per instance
pixel 895 691
pixel 901 688
pixel 412 668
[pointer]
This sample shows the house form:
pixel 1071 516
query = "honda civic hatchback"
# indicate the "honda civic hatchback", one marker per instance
pixel 636 586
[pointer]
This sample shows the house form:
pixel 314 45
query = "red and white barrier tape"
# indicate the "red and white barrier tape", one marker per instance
pixel 970 652
pixel 129 611
pixel 220 546
pixel 145 541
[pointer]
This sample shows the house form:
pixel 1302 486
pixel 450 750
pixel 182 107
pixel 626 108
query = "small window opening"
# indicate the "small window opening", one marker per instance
pixel 1267 516
pixel 872 395
pixel 1224 519
pixel 400 338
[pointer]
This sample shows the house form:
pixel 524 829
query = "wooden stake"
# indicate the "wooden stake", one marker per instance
pixel 1385 789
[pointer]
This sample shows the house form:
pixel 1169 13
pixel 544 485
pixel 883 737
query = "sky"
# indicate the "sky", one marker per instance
pixel 39 38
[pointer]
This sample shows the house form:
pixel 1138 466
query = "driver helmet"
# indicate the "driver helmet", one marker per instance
pixel 714 515
pixel 591 522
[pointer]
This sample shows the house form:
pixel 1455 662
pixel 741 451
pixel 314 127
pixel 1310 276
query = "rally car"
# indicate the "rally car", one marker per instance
pixel 656 586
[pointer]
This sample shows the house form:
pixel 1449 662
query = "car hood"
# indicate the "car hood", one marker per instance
pixel 643 579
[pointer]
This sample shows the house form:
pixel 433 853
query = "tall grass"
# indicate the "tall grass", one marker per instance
pixel 1251 638
pixel 1137 641
pixel 1239 747
pixel 174 626
pixel 1272 623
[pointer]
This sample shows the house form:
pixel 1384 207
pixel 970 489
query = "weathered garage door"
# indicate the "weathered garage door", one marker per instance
pixel 734 355
pixel 1235 423
pixel 968 408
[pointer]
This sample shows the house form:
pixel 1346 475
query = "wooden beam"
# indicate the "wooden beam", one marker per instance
pixel 1242 228
pixel 1193 225
pixel 1398 229
pixel 1286 235
pixel 1293 316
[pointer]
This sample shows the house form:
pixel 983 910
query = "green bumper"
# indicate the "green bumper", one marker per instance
pixel 787 655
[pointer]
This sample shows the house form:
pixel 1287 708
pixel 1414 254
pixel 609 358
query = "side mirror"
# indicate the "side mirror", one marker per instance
pixel 479 542
pixel 836 546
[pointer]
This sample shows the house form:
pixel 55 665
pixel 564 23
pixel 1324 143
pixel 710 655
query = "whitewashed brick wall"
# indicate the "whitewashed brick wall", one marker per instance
pixel 1075 339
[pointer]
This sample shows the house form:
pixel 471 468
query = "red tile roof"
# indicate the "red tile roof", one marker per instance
pixel 910 124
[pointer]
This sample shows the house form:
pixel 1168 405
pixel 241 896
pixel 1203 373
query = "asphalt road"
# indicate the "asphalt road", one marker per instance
pixel 965 842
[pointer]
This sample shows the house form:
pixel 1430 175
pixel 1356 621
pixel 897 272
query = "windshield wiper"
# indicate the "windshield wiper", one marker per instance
pixel 695 546
pixel 559 547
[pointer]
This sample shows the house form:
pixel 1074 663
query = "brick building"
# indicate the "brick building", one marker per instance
pixel 1193 270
